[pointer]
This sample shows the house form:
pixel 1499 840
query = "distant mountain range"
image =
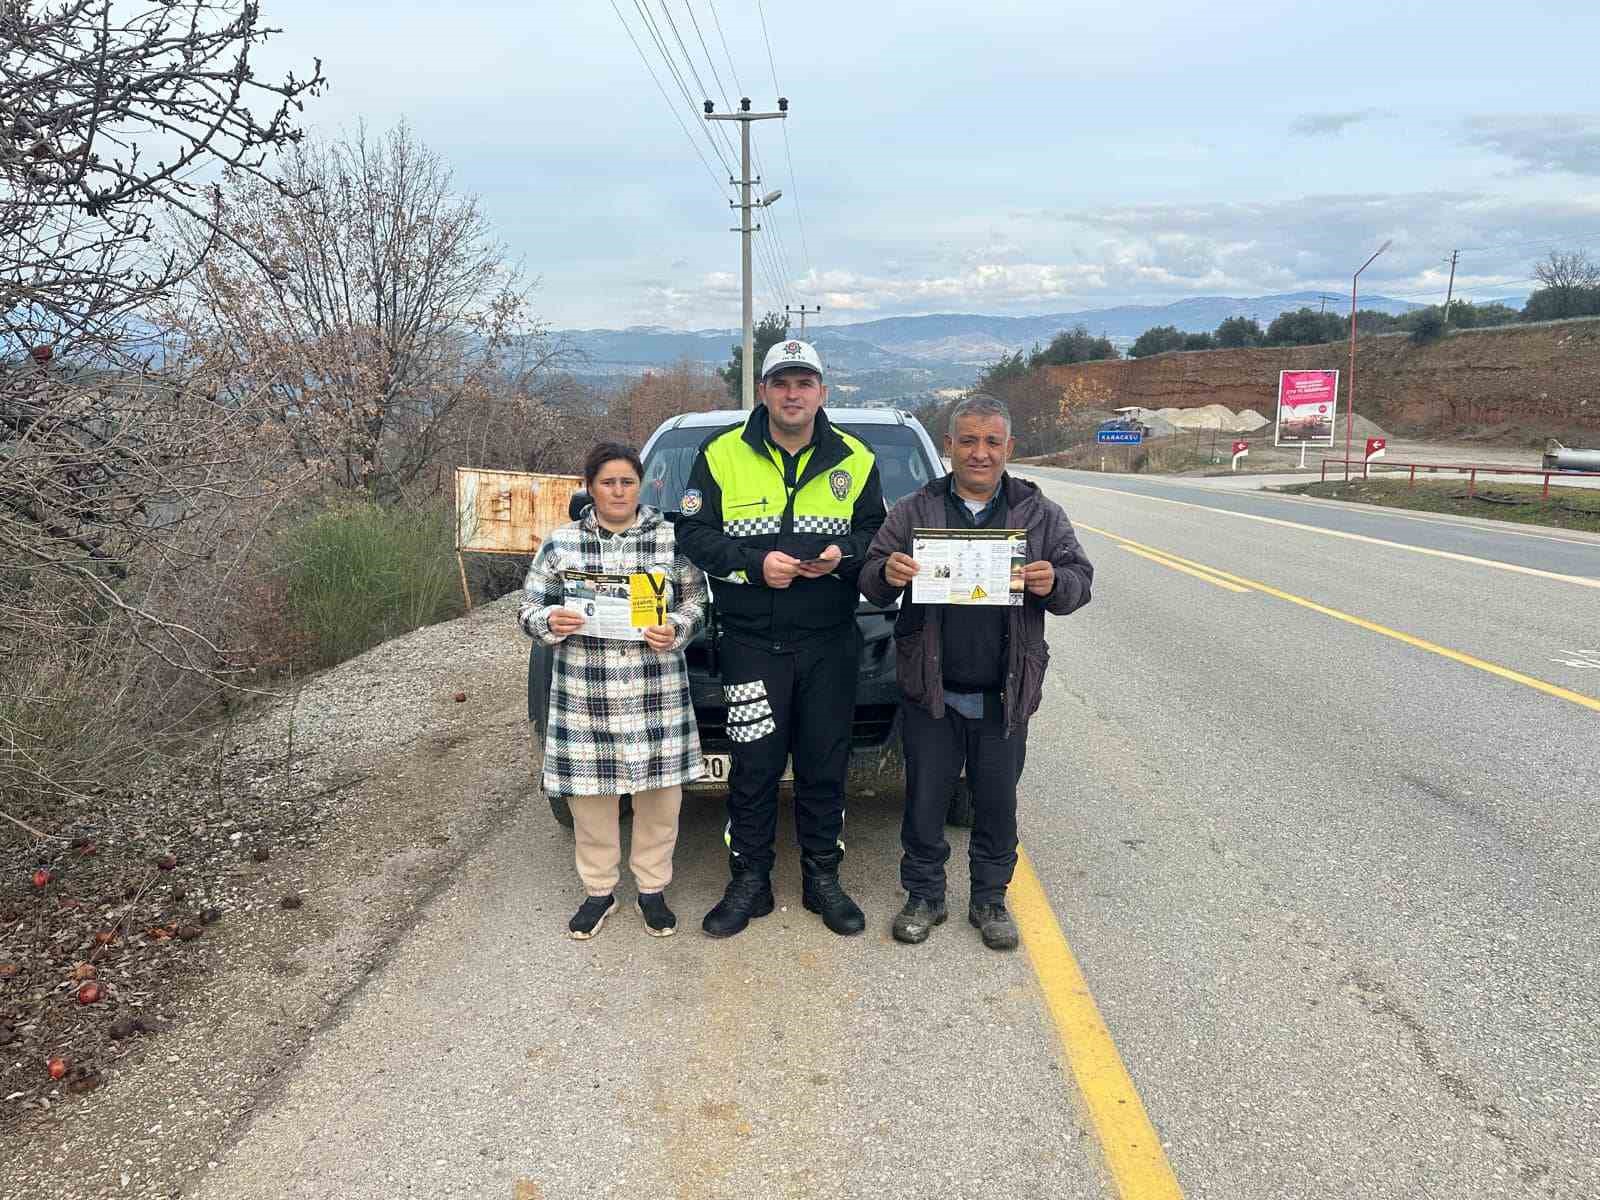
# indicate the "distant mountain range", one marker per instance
pixel 903 360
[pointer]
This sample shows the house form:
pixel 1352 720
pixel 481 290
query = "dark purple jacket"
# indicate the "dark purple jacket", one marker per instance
pixel 917 631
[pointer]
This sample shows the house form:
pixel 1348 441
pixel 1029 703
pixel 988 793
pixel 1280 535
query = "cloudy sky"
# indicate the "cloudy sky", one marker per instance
pixel 1010 156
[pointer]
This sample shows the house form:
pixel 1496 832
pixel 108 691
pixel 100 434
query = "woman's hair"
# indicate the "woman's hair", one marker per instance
pixel 605 452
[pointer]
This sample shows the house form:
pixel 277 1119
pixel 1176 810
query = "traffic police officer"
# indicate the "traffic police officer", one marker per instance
pixel 779 512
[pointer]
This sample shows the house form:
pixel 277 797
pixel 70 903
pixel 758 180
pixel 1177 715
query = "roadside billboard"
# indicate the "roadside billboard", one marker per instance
pixel 509 512
pixel 1308 402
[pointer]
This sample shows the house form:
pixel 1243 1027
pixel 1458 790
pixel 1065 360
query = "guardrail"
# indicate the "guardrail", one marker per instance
pixel 1470 470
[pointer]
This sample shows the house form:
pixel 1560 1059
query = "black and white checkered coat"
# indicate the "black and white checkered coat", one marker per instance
pixel 620 715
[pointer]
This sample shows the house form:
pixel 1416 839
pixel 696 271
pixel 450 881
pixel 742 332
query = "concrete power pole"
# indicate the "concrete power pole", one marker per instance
pixel 789 311
pixel 744 204
pixel 1451 290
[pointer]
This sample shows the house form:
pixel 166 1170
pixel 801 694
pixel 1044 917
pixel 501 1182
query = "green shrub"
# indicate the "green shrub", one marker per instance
pixel 1428 326
pixel 357 574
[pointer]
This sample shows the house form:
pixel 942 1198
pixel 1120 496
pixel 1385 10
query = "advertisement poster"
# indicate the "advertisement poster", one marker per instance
pixel 1308 402
pixel 618 607
pixel 968 566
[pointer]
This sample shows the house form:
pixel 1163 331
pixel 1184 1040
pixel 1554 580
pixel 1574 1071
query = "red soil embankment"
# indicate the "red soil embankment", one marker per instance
pixel 1524 383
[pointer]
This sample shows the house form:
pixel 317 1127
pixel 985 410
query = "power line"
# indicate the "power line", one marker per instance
pixel 1543 241
pixel 776 251
pixel 788 154
pixel 672 66
pixel 688 59
pixel 672 108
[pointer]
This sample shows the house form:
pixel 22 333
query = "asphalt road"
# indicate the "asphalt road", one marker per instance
pixel 1328 873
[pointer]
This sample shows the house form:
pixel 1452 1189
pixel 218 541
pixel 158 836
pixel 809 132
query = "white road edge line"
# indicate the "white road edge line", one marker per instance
pixel 1471 560
pixel 1481 524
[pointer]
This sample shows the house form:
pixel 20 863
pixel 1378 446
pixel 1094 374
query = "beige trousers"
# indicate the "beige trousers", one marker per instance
pixel 597 832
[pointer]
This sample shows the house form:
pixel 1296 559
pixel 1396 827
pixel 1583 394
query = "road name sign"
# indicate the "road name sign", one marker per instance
pixel 1119 437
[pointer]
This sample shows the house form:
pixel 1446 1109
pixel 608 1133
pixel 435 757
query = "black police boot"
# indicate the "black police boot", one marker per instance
pixel 821 893
pixel 749 895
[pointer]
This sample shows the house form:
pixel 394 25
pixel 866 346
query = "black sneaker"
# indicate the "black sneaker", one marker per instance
pixel 916 920
pixel 659 920
pixel 590 916
pixel 995 923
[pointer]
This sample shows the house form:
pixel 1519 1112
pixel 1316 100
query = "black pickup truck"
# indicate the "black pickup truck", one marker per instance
pixel 907 459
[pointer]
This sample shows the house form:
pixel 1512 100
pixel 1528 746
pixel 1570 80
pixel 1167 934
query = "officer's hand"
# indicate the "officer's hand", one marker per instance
pixel 659 637
pixel 1039 578
pixel 779 569
pixel 564 622
pixel 822 564
pixel 899 569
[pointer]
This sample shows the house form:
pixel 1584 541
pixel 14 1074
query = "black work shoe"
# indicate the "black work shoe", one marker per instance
pixel 995 923
pixel 659 920
pixel 916 920
pixel 590 916
pixel 821 893
pixel 749 895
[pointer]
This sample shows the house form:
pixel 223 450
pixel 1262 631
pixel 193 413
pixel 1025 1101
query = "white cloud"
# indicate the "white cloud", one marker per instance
pixel 1567 142
pixel 1325 124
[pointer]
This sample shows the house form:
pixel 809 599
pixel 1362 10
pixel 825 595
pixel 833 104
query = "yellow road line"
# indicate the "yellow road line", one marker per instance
pixel 1470 559
pixel 1538 685
pixel 1131 1147
pixel 1177 566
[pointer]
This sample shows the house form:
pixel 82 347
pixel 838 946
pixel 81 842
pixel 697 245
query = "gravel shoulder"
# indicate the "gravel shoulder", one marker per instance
pixel 391 785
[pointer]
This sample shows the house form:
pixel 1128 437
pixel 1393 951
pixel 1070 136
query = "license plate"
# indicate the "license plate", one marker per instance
pixel 719 769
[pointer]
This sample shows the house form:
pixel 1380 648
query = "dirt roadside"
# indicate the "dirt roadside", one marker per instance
pixel 419 781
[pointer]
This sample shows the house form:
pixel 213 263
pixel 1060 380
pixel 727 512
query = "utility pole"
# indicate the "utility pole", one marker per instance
pixel 744 204
pixel 788 311
pixel 1451 290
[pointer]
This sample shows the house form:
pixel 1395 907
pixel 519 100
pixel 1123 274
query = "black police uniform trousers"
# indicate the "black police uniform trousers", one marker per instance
pixel 788 698
pixel 936 750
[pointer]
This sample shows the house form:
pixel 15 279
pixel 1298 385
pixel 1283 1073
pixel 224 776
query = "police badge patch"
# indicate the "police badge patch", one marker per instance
pixel 839 483
pixel 690 504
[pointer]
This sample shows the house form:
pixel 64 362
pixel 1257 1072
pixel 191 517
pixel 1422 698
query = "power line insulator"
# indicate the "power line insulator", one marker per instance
pixel 783 104
pixel 710 107
pixel 744 103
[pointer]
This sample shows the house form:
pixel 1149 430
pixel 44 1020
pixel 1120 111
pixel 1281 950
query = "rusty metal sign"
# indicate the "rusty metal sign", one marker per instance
pixel 509 512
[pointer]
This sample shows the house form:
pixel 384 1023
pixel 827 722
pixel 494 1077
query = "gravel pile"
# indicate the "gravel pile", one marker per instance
pixel 217 914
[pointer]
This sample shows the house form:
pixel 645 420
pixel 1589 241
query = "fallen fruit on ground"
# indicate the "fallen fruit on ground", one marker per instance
pixel 57 1068
pixel 105 937
pixel 89 993
pixel 460 697
pixel 166 862
pixel 41 877
pixel 8 970
pixel 83 971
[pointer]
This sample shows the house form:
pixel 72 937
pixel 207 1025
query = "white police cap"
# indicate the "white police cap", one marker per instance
pixel 791 353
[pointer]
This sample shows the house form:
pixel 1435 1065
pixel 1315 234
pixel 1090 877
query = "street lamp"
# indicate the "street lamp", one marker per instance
pixel 1350 413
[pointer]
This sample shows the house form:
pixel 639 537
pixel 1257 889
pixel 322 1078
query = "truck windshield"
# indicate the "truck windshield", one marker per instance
pixel 903 464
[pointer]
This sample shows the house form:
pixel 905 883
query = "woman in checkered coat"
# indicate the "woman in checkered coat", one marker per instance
pixel 620 716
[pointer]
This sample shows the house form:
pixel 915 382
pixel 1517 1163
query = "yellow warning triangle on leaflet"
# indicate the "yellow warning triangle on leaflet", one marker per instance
pixel 978 593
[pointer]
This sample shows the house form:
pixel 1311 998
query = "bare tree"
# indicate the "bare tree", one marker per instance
pixel 1570 287
pixel 112 466
pixel 369 299
pixel 655 396
pixel 1566 270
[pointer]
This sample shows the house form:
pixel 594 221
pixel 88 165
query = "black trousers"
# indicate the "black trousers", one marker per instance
pixel 798 700
pixel 936 750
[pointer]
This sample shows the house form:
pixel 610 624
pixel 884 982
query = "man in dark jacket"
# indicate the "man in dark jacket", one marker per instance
pixel 779 512
pixel 971 675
